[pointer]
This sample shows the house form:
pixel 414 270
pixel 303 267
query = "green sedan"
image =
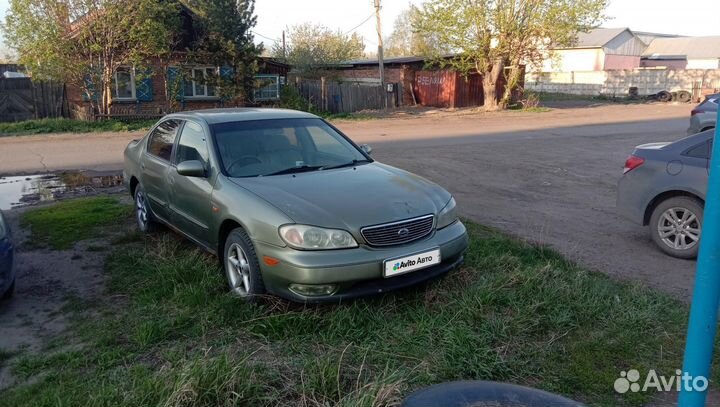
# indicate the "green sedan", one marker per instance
pixel 291 206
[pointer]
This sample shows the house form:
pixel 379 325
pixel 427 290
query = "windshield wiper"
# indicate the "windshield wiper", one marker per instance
pixel 295 170
pixel 350 164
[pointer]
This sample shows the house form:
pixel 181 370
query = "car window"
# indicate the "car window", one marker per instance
pixel 326 142
pixel 192 144
pixel 701 150
pixel 264 147
pixel 162 139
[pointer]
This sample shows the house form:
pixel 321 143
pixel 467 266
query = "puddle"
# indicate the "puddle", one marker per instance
pixel 31 189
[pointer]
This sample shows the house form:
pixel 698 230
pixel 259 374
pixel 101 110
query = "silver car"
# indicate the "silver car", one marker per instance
pixel 664 187
pixel 704 115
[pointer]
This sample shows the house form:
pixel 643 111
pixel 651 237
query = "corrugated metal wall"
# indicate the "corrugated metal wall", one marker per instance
pixel 448 89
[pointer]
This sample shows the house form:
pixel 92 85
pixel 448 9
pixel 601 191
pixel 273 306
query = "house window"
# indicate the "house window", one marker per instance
pixel 267 87
pixel 123 87
pixel 199 83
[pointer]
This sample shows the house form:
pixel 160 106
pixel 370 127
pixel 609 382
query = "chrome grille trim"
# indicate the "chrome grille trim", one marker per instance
pixel 387 233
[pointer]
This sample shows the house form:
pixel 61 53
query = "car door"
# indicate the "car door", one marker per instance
pixel 156 164
pixel 697 163
pixel 190 196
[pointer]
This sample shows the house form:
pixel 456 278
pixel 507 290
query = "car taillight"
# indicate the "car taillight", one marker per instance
pixel 695 111
pixel 632 162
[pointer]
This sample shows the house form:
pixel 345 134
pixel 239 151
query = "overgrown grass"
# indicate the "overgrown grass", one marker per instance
pixel 42 126
pixel 61 225
pixel 517 313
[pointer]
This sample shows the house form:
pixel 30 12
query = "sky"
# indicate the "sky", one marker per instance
pixel 687 17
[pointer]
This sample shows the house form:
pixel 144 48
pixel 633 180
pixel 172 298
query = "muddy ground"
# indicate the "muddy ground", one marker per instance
pixel 47 282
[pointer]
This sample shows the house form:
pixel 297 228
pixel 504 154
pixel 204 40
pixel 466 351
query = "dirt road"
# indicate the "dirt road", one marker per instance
pixel 549 177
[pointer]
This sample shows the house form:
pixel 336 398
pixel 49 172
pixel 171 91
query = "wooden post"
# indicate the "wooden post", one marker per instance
pixel 323 95
pixel 381 59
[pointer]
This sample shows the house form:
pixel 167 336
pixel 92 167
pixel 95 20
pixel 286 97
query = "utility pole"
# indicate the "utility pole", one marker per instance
pixel 284 49
pixel 381 62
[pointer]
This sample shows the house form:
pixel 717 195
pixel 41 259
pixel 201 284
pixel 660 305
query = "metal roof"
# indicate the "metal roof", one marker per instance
pixel 691 47
pixel 598 37
pixel 374 61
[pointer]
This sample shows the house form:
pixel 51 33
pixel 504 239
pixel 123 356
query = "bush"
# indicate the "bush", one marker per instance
pixel 290 98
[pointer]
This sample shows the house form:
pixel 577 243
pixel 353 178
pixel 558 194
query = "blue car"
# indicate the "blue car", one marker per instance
pixel 7 260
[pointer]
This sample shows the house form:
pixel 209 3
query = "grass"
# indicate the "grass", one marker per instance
pixel 62 225
pixel 514 312
pixel 42 126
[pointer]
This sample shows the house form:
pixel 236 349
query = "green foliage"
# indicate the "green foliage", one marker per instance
pixel 84 42
pixel 169 334
pixel 489 35
pixel 60 226
pixel 226 39
pixel 405 40
pixel 40 126
pixel 290 98
pixel 311 47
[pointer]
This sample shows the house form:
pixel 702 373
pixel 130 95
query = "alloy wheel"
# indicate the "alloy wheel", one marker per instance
pixel 238 271
pixel 679 228
pixel 141 211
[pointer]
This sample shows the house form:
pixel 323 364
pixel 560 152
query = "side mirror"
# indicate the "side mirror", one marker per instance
pixel 366 148
pixel 192 168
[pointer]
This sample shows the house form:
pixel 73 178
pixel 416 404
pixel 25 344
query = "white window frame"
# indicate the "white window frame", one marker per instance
pixel 258 93
pixel 204 86
pixel 132 84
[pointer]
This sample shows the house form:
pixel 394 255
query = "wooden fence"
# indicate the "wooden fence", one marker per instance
pixel 23 99
pixel 346 97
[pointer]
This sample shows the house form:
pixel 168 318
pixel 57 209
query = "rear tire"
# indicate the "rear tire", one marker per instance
pixel 10 291
pixel 242 268
pixel 143 214
pixel 675 226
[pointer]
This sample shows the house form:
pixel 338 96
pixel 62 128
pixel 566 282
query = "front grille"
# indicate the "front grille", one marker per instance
pixel 401 232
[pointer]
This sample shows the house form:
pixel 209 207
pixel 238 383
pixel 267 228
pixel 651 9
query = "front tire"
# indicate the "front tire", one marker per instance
pixel 143 214
pixel 675 226
pixel 242 268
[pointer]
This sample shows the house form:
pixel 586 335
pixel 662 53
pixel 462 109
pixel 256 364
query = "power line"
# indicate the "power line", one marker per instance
pixel 358 26
pixel 266 37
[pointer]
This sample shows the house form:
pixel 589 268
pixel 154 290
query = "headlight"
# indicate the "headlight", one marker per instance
pixel 448 214
pixel 315 238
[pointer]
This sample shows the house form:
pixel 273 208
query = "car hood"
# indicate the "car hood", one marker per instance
pixel 350 198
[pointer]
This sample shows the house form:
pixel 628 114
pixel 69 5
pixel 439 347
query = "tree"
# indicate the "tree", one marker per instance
pixel 312 47
pixel 490 35
pixel 84 42
pixel 405 40
pixel 225 38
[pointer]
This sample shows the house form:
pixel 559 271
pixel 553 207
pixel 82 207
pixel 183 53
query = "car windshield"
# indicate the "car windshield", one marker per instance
pixel 282 146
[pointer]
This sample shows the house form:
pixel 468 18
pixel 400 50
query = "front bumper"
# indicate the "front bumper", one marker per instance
pixel 357 272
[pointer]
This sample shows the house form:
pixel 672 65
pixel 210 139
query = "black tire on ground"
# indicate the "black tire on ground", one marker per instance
pixel 10 291
pixel 688 214
pixel 664 96
pixel 144 218
pixel 684 96
pixel 240 262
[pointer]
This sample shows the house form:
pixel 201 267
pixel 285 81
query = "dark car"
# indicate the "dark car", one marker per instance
pixel 664 186
pixel 7 260
pixel 704 115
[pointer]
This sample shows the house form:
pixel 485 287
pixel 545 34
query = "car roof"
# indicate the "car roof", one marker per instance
pixel 214 116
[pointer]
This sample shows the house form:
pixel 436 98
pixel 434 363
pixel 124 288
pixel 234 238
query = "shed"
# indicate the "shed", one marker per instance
pixel 683 53
pixel 600 49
